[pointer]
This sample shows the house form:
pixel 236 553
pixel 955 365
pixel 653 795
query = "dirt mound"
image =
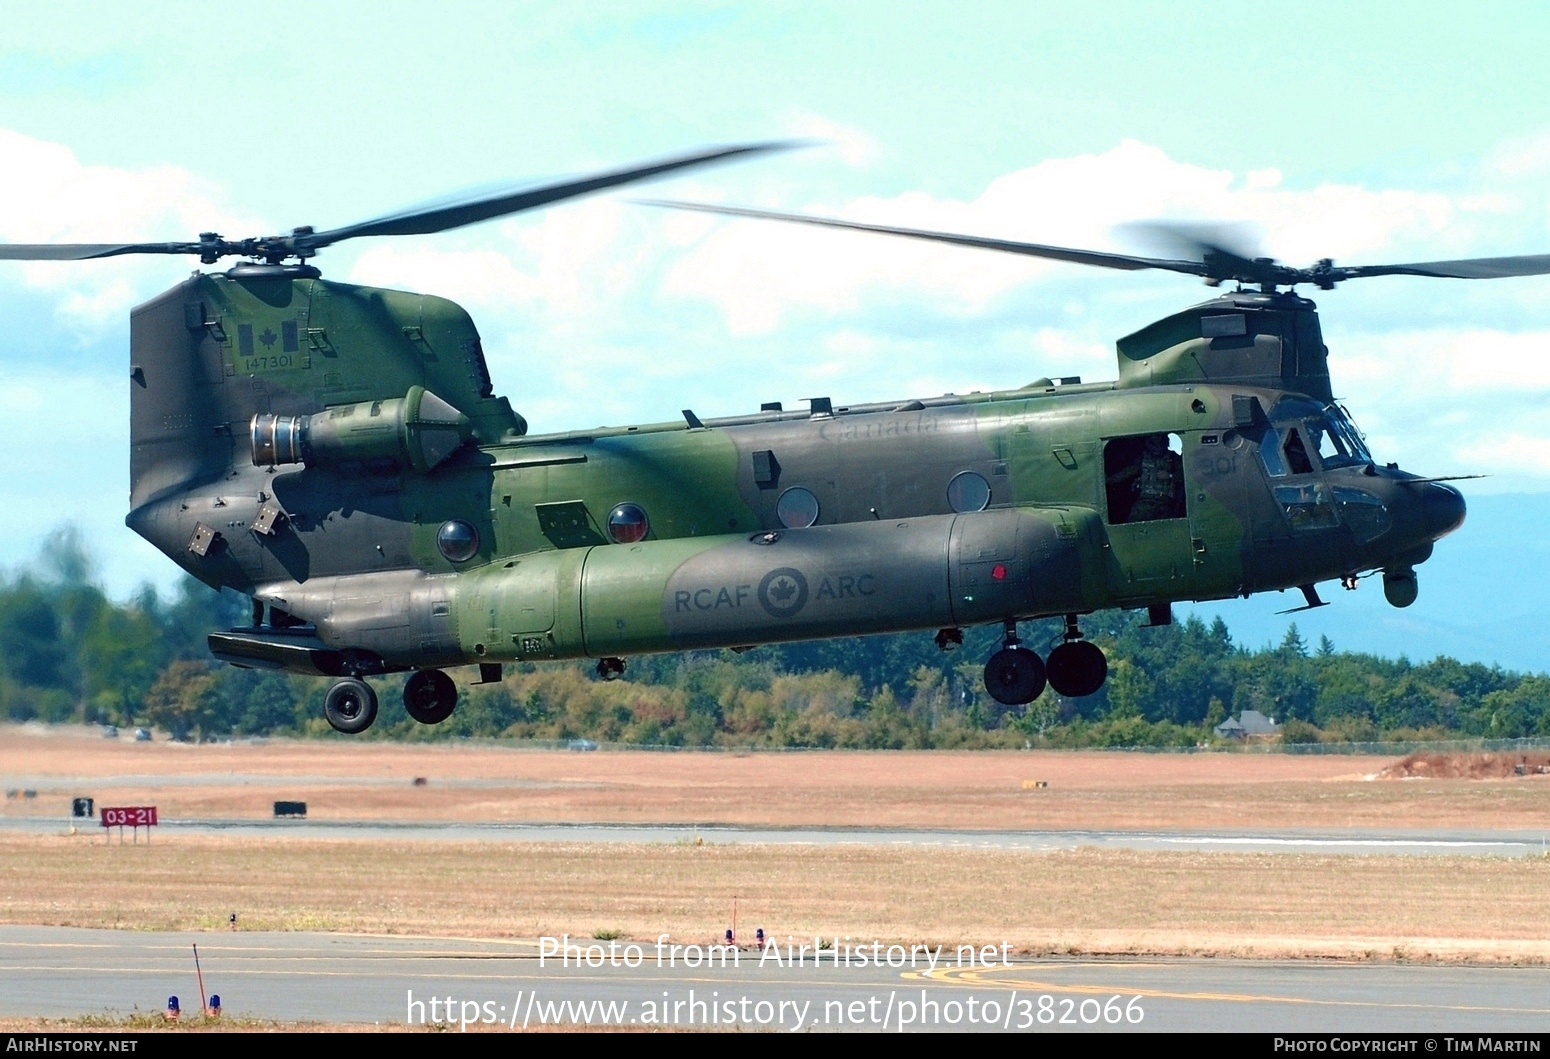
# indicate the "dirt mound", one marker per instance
pixel 1479 766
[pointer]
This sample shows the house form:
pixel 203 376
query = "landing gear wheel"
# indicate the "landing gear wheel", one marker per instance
pixel 350 706
pixel 1077 668
pixel 1014 676
pixel 610 668
pixel 429 696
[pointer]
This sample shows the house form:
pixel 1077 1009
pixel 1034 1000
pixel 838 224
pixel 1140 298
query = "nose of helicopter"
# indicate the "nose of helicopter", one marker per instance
pixel 1442 509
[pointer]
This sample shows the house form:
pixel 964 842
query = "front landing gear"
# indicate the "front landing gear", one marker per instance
pixel 350 706
pixel 1014 676
pixel 430 696
pixel 610 668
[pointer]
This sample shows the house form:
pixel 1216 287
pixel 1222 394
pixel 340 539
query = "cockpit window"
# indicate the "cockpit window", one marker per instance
pixel 1364 513
pixel 1284 453
pixel 1296 454
pixel 1270 452
pixel 1330 433
pixel 1343 435
pixel 1330 448
pixel 1307 506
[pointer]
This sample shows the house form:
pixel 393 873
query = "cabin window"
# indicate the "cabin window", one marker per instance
pixel 968 492
pixel 797 508
pixel 1144 478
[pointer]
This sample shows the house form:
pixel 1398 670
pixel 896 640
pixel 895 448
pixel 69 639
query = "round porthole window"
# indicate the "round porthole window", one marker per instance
pixel 457 540
pixel 968 492
pixel 797 508
pixel 627 524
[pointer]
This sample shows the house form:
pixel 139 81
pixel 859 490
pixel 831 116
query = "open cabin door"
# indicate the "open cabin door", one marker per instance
pixel 1146 515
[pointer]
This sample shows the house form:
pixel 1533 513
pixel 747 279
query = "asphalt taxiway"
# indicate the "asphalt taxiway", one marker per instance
pixel 1357 842
pixel 63 972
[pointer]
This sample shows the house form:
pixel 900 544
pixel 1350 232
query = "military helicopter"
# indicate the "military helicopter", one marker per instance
pixel 338 453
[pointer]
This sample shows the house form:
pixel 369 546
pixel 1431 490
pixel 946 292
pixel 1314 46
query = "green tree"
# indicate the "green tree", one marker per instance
pixel 185 699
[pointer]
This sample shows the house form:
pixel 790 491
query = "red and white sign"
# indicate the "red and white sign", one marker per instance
pixel 129 816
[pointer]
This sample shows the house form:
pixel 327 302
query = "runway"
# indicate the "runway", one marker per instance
pixel 1364 842
pixel 63 972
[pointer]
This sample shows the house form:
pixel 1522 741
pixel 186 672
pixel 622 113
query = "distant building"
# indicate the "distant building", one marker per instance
pixel 1248 723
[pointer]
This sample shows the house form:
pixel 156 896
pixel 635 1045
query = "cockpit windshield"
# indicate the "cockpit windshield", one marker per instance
pixel 1337 439
pixel 1329 431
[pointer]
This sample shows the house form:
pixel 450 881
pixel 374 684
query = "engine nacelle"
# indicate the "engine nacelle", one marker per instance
pixel 418 430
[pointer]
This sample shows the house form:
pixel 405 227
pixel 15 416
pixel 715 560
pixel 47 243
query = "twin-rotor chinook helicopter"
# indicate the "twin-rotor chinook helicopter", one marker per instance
pixel 338 453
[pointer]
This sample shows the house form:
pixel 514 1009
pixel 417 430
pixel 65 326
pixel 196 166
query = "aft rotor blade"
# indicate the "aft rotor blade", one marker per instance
pixel 445 217
pixel 1466 268
pixel 87 251
pixel 1055 253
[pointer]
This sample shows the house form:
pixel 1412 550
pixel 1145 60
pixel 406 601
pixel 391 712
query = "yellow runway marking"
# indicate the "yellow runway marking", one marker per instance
pixel 979 979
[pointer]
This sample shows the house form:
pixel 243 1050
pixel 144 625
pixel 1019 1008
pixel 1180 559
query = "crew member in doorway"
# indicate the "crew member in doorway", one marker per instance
pixel 1160 486
pixel 1145 479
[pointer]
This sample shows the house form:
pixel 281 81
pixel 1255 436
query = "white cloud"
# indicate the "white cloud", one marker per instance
pixel 1521 156
pixel 1516 453
pixel 1452 401
pixel 474 277
pixel 47 195
pixel 761 273
pixel 1449 361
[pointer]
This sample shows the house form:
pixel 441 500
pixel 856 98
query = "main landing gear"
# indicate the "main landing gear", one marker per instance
pixel 429 696
pixel 351 704
pixel 1016 675
pixel 1076 666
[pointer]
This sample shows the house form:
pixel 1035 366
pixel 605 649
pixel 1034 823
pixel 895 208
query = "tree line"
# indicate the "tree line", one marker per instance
pixel 69 653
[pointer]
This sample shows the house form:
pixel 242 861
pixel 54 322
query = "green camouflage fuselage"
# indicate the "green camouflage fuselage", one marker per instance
pixel 344 534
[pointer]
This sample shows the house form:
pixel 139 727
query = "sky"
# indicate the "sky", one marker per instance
pixel 1368 133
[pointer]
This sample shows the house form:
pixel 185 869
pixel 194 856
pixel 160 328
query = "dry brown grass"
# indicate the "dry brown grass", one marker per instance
pixel 342 780
pixel 1480 766
pixel 1087 901
pixel 1076 901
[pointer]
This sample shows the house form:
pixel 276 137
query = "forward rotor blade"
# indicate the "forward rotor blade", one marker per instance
pixel 444 217
pixel 87 251
pixel 1124 262
pixel 1195 240
pixel 1466 268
